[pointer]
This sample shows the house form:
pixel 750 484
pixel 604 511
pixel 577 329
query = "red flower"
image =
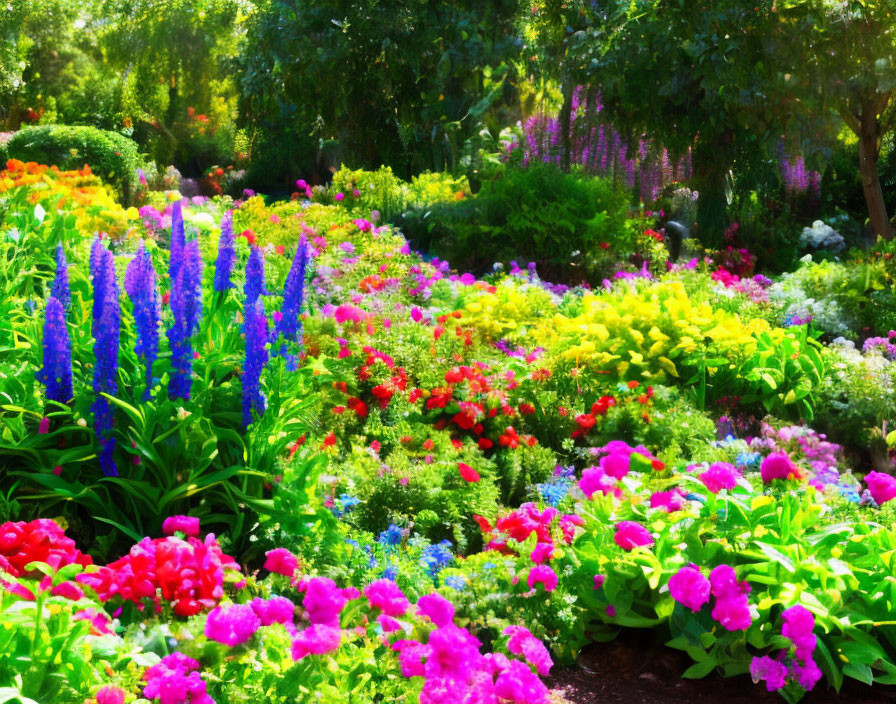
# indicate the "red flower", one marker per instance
pixel 467 472
pixel 330 440
pixel 527 409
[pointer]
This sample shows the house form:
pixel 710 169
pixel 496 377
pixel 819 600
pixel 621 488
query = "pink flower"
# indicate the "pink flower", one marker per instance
pixel 544 575
pixel 630 535
pixel 772 672
pixel 543 552
pixel 316 640
pixel 410 657
pixel 798 626
pixel 882 487
pixel 323 601
pixel 281 561
pixel 231 625
pixel 807 674
pixel 174 681
pixel 44 426
pixel 347 313
pixel 182 524
pixel 599 580
pixel 778 465
pixel 110 695
pixel 383 594
pixel 339 197
pixel 436 608
pixel 720 475
pixel 388 624
pixel 732 609
pixel 689 587
pixel 68 590
pixel 595 479
pixel 519 684
pixel 672 500
pixel 522 642
pixel 277 609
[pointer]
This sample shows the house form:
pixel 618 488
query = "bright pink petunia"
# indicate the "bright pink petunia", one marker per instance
pixel 384 594
pixel 184 524
pixel 630 535
pixel 882 487
pixel 544 575
pixel 720 475
pixel 281 561
pixel 436 608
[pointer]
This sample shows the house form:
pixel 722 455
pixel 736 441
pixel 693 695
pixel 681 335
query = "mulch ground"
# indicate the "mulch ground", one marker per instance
pixel 634 670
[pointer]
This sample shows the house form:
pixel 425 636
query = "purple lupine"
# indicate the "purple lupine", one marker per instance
pixel 186 305
pixel 254 286
pixel 140 285
pixel 226 254
pixel 56 374
pixel 61 290
pixel 105 351
pixel 290 325
pixel 256 330
pixel 177 241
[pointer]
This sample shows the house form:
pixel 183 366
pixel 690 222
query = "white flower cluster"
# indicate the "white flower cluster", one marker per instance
pixel 822 236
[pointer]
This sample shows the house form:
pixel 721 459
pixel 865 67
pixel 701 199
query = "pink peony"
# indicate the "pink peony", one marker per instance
pixel 231 625
pixel 882 487
pixel 183 524
pixel 436 608
pixel 324 601
pixel 689 587
pixel 778 465
pixel 277 609
pixel 281 561
pixel 316 640
pixel 384 594
pixel 110 695
pixel 544 575
pixel 720 475
pixel 630 535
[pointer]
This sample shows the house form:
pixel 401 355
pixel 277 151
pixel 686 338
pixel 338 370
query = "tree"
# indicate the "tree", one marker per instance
pixel 713 76
pixel 849 52
pixel 401 82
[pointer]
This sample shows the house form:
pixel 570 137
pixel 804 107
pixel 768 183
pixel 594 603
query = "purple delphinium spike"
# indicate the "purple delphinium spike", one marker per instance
pixel 254 286
pixel 226 254
pixel 105 351
pixel 140 285
pixel 61 291
pixel 256 330
pixel 290 325
pixel 177 241
pixel 56 373
pixel 186 305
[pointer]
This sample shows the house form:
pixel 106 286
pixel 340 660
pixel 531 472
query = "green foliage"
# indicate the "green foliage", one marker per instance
pixel 110 155
pixel 538 214
pixel 393 83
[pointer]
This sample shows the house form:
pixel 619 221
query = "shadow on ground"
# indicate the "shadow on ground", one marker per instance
pixel 635 670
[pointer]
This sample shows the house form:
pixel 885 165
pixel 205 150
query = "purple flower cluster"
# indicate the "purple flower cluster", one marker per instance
pixel 226 254
pixel 804 444
pixel 186 305
pixel 256 334
pixel 175 680
pixel 290 324
pixel 800 666
pixel 799 182
pixel 56 373
pixel 254 286
pixel 106 331
pixel 61 290
pixel 140 285
pixel 885 345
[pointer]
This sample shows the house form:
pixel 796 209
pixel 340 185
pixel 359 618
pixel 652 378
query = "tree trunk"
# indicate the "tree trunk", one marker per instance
pixel 869 141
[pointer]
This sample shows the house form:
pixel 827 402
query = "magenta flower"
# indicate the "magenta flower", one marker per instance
pixel 630 535
pixel 110 695
pixel 599 580
pixel 323 601
pixel 184 524
pixel 522 642
pixel 882 487
pixel 798 626
pixel 281 561
pixel 772 672
pixel 519 684
pixel 778 465
pixel 436 608
pixel 277 609
pixel 596 479
pixel 689 587
pixel 732 608
pixel 542 553
pixel 316 640
pixel 231 625
pixel 544 575
pixel 672 500
pixel 384 594
pixel 388 624
pixel 410 656
pixel 720 475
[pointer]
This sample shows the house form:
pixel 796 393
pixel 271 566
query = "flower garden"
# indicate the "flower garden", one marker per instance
pixel 545 375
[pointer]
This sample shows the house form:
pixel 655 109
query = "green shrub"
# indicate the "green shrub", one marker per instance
pixel 535 214
pixel 110 155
